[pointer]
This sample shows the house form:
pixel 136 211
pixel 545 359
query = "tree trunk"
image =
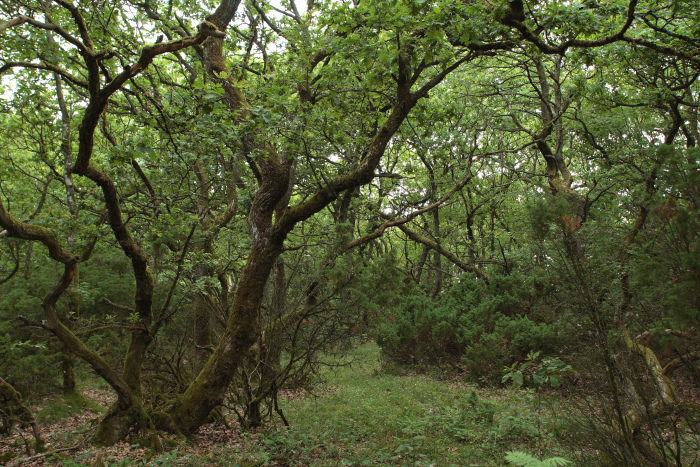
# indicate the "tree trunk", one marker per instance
pixel 68 372
pixel 202 329
pixel 118 423
pixel 242 330
pixel 273 172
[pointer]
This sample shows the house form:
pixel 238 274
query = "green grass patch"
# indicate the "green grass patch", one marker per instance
pixel 368 417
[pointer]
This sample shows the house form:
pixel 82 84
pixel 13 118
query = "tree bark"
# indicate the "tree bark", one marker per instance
pixel 242 330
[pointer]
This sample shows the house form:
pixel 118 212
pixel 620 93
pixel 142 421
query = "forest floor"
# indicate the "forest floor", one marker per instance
pixel 362 415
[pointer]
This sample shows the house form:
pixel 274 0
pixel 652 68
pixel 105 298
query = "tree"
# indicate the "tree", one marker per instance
pixel 306 112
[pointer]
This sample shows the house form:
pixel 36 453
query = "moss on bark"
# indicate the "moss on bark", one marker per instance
pixel 13 411
pixel 118 423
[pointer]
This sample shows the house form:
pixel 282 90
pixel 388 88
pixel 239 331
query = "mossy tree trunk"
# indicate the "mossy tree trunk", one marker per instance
pixel 273 172
pixel 127 412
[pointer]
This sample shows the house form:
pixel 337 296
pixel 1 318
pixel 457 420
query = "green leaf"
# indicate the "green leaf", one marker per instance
pixel 518 379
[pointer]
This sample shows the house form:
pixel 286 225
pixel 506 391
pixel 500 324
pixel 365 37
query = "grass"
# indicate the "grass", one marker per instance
pixel 367 416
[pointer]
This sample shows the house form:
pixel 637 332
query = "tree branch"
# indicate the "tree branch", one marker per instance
pixel 444 252
pixel 395 223
pixel 45 66
pixel 18 229
pixel 518 24
pixel 24 19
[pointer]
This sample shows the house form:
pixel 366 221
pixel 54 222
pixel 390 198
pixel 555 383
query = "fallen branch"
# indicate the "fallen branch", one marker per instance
pixel 51 453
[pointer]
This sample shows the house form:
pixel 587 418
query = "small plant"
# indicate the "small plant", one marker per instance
pixel 526 460
pixel 536 372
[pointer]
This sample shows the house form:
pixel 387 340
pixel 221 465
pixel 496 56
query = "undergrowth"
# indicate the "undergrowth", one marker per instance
pixel 364 416
pixel 58 409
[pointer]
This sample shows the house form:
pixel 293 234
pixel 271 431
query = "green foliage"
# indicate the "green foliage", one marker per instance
pixel 28 357
pixel 481 325
pixel 671 245
pixel 546 214
pixel 567 154
pixel 537 372
pixel 526 460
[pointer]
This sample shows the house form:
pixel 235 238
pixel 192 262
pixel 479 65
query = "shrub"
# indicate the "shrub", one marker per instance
pixel 474 322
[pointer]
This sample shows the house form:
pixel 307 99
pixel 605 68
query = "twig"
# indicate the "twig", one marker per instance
pixel 50 453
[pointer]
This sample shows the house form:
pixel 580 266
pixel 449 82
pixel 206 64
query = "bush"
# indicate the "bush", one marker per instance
pixel 484 326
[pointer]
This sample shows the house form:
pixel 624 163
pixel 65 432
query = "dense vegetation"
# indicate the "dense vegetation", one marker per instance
pixel 201 201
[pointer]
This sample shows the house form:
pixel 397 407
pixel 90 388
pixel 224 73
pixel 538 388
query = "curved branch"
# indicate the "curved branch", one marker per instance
pixel 690 40
pixel 99 102
pixel 676 363
pixel 18 229
pixel 397 222
pixel 24 19
pixel 79 21
pixel 12 273
pixel 662 49
pixel 45 66
pixel 149 53
pixel 53 324
pixel 444 252
pixel 517 23
pixel 13 22
pixel 267 20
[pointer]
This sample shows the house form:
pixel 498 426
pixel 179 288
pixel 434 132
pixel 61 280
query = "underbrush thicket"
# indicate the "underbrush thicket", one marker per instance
pixel 483 327
pixel 616 304
pixel 368 416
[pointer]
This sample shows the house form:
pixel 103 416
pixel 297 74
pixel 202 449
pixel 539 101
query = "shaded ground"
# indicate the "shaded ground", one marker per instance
pixel 67 442
pixel 364 415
